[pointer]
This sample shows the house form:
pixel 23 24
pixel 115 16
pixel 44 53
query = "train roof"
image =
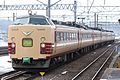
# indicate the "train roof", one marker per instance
pixel 36 16
pixel 70 24
pixel 99 29
pixel 73 24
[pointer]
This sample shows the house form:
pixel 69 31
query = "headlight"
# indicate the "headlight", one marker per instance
pixel 13 45
pixel 43 45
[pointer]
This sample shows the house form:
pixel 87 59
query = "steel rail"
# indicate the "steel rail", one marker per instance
pixel 90 64
pixel 103 65
pixel 32 77
pixel 13 75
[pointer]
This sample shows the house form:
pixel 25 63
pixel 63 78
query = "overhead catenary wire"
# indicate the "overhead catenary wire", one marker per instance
pixel 91 6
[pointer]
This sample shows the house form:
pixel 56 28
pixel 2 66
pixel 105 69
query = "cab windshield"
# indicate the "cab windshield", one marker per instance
pixel 38 21
pixel 32 20
pixel 21 21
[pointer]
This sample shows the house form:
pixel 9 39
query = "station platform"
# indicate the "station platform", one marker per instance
pixel 111 74
pixel 5 64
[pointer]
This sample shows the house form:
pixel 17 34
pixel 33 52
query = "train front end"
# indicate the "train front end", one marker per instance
pixel 31 42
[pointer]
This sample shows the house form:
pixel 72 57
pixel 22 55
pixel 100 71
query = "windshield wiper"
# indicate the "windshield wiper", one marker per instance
pixel 18 24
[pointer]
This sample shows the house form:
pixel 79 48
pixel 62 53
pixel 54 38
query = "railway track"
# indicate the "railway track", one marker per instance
pixel 68 71
pixel 93 68
pixel 13 75
pixel 57 74
pixel 19 75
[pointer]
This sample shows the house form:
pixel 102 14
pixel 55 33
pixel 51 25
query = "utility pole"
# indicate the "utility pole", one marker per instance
pixel 75 11
pixel 4 3
pixel 104 2
pixel 95 20
pixel 48 9
pixel 13 16
pixel 48 6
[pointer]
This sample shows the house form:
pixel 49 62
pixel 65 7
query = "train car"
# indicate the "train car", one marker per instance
pixel 66 39
pixel 85 38
pixel 35 42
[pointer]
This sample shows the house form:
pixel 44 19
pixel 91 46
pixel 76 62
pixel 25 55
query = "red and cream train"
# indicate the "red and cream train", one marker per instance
pixel 35 42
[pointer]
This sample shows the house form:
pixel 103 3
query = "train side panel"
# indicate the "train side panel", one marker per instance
pixel 86 38
pixel 66 40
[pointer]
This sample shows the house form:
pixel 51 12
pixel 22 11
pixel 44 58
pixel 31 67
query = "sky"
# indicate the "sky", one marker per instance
pixel 5 14
pixel 82 2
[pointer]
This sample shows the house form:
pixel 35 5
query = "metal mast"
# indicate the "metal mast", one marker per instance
pixel 48 9
pixel 75 10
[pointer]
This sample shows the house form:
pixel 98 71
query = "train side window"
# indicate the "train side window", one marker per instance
pixel 65 36
pixel 75 36
pixel 86 35
pixel 72 36
pixel 69 36
pixel 57 36
pixel 62 36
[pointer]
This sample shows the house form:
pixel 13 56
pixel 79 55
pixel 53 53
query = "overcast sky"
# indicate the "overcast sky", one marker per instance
pixel 83 2
pixel 80 2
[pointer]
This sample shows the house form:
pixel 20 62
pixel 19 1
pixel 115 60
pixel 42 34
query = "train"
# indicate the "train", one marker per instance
pixel 37 42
